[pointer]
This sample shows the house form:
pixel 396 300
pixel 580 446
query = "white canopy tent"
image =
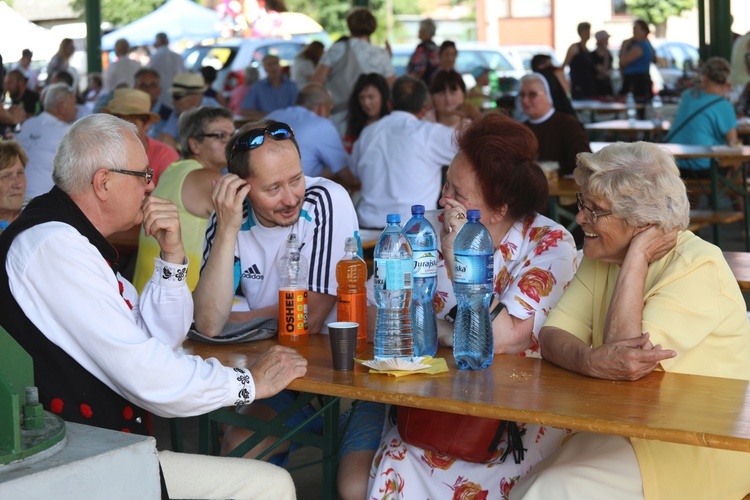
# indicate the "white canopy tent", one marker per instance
pixel 19 33
pixel 179 19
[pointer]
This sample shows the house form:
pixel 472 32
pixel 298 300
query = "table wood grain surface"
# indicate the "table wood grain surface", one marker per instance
pixel 739 263
pixel 688 409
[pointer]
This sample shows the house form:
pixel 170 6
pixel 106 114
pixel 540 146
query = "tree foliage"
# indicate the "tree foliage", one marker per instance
pixel 121 12
pixel 658 11
pixel 331 14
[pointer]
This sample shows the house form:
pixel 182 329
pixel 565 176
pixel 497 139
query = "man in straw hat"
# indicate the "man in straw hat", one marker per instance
pixel 134 106
pixel 187 93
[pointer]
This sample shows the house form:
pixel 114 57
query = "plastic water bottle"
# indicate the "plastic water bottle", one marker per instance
pixel 657 110
pixel 392 283
pixel 473 271
pixel 351 275
pixel 630 106
pixel 422 238
pixel 293 269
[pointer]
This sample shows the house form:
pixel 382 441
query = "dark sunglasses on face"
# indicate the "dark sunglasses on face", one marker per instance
pixel 531 95
pixel 254 138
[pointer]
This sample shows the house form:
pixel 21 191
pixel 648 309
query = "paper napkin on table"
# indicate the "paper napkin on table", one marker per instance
pixel 399 367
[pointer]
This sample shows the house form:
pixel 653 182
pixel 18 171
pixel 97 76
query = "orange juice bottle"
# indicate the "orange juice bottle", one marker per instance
pixel 293 328
pixel 351 275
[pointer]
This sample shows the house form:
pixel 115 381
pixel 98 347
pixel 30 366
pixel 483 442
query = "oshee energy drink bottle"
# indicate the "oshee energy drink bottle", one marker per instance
pixel 292 295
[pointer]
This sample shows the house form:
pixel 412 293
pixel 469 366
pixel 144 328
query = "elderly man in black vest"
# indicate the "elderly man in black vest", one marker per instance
pixel 102 355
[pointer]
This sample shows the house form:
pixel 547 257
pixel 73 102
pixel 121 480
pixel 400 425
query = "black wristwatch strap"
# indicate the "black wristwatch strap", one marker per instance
pixel 496 310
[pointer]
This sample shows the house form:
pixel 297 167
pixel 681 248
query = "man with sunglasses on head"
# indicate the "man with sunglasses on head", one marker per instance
pixel 263 199
pixel 103 356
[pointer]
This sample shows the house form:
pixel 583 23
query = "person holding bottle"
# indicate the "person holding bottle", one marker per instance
pixel 495 171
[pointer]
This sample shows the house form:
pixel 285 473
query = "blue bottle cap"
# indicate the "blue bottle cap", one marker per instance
pixel 417 209
pixel 391 218
pixel 474 215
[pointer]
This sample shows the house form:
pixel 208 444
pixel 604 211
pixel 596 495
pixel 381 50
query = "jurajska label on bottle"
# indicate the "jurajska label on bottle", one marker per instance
pixel 470 269
pixel 425 263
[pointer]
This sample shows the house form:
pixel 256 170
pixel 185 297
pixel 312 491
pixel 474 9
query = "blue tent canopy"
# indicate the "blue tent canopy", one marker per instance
pixel 179 19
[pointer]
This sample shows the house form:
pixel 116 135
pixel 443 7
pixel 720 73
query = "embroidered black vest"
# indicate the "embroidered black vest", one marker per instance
pixel 65 387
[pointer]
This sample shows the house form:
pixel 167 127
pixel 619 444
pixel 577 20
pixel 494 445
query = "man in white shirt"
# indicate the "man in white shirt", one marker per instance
pixel 122 71
pixel 346 60
pixel 104 356
pixel 167 63
pixel 399 158
pixel 24 66
pixel 41 134
pixel 263 199
pixel 320 145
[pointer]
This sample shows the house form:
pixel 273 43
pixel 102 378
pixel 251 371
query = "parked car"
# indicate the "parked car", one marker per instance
pixel 673 61
pixel 230 57
pixel 521 54
pixel 470 55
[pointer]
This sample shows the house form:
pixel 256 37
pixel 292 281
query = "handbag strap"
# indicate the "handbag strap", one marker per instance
pixel 689 118
pixel 514 440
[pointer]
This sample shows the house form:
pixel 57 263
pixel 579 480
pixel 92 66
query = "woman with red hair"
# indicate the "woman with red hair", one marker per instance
pixel 495 171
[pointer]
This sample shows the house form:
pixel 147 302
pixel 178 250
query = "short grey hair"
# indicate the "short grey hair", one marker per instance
pixel 252 75
pixel 640 180
pixel 313 95
pixel 428 26
pixel 55 93
pixel 90 144
pixel 193 123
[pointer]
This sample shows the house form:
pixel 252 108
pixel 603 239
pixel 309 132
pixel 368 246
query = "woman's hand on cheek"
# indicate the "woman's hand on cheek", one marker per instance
pixel 652 243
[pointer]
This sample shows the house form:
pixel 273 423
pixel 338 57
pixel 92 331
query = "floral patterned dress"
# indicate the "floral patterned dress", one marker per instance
pixel 533 267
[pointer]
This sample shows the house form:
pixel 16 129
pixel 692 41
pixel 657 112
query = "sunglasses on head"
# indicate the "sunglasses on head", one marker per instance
pixel 254 138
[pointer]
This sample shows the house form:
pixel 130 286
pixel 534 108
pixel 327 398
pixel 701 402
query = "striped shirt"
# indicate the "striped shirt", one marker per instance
pixel 327 218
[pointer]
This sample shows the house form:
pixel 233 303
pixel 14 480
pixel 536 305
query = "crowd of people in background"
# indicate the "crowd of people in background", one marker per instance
pixel 329 146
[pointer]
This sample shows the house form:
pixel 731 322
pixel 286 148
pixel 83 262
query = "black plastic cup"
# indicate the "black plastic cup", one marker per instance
pixel 343 336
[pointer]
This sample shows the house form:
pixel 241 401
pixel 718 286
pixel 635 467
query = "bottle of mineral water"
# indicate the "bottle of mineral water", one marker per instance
pixel 630 107
pixel 392 282
pixel 473 271
pixel 422 238
pixel 657 110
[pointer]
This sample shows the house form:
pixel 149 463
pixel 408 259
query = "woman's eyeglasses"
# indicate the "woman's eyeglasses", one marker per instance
pixel 593 215
pixel 222 136
pixel 147 175
pixel 254 138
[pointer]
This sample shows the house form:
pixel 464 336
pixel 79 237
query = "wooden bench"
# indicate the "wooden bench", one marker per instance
pixel 703 218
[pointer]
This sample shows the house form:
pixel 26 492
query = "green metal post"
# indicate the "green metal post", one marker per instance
pixel 721 32
pixel 702 45
pixel 94 36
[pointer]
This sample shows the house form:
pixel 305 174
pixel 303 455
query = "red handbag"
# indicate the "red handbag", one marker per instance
pixel 473 439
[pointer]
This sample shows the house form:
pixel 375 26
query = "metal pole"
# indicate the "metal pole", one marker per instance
pixel 702 46
pixel 721 33
pixel 94 36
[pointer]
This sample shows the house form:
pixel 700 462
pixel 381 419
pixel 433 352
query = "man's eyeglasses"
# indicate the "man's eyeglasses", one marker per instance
pixel 593 215
pixel 148 175
pixel 222 136
pixel 254 138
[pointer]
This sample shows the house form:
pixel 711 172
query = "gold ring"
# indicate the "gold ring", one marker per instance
pixel 460 215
